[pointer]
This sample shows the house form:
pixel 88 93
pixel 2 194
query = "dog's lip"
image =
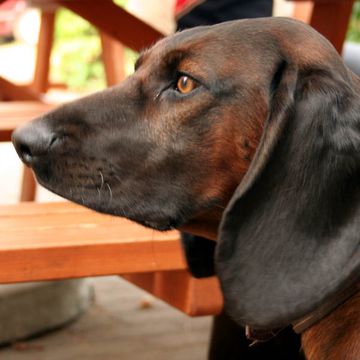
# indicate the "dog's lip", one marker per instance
pixel 160 225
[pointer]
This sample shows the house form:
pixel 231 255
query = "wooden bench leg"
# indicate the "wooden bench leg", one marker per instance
pixel 10 91
pixel 40 84
pixel 303 11
pixel 41 75
pixel 195 297
pixel 28 187
pixel 331 19
pixel 113 59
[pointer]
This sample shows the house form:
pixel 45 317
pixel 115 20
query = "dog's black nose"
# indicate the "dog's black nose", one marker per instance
pixel 32 142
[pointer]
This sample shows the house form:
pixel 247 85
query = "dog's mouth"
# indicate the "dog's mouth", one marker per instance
pixel 105 193
pixel 110 204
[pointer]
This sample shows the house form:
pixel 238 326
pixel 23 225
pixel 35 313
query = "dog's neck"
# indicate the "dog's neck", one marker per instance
pixel 205 225
pixel 337 335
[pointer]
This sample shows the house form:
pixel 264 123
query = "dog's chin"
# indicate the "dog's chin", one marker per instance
pixel 160 225
pixel 89 199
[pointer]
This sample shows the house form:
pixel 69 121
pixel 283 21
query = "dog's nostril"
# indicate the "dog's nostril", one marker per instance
pixel 53 140
pixel 26 153
pixel 25 150
pixel 32 142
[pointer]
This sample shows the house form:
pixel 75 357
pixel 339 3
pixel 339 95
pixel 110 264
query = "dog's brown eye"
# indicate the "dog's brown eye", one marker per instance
pixel 185 84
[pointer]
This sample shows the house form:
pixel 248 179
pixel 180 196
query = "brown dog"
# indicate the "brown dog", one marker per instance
pixel 253 124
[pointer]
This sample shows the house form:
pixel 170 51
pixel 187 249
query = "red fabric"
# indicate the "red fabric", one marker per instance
pixel 9 10
pixel 182 5
pixel 9 4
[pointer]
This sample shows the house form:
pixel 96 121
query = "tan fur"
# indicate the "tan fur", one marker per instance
pixel 337 336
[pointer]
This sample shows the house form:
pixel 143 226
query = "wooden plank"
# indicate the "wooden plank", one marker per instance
pixel 10 91
pixel 28 185
pixel 40 82
pixel 303 11
pixel 113 59
pixel 329 17
pixel 195 297
pixel 63 240
pixel 58 241
pixel 28 209
pixel 16 113
pixel 114 21
pixel 22 109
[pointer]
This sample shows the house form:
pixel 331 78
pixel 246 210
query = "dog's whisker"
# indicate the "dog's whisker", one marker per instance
pixel 110 192
pixel 220 207
pixel 102 179
pixel 157 95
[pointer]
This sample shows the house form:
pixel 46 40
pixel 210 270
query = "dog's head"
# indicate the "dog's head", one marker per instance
pixel 259 116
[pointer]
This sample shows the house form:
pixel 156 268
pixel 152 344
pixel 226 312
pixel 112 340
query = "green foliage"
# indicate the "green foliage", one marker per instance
pixel 354 28
pixel 121 3
pixel 77 53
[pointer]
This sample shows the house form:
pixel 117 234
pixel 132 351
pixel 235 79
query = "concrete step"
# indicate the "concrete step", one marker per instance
pixel 31 309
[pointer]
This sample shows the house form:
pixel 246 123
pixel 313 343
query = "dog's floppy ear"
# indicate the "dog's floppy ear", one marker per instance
pixel 290 235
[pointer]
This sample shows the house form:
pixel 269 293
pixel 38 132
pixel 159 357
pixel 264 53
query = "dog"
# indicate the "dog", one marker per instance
pixel 246 133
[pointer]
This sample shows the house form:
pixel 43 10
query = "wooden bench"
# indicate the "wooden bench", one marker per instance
pixel 40 241
pixel 16 113
pixel 12 115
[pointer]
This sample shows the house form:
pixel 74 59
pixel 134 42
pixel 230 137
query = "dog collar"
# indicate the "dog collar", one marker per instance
pixel 306 322
pixel 325 308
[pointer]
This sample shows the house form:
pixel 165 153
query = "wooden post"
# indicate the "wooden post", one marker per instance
pixel 332 20
pixel 10 91
pixel 28 186
pixel 41 75
pixel 114 21
pixel 329 17
pixel 303 11
pixel 113 59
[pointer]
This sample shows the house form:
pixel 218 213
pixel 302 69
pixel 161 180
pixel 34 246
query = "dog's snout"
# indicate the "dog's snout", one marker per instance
pixel 32 142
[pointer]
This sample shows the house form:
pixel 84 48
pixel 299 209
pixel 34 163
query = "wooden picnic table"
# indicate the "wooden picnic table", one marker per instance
pixel 51 232
pixel 110 19
pixel 329 17
pixel 51 241
pixel 17 113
